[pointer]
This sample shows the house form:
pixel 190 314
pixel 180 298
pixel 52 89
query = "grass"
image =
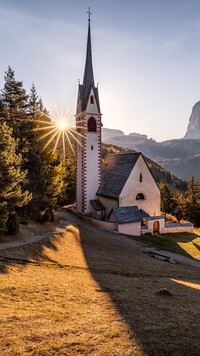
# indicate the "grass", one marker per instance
pixel 186 244
pixel 87 292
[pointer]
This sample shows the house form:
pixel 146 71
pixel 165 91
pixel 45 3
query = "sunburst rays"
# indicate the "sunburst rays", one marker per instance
pixel 57 129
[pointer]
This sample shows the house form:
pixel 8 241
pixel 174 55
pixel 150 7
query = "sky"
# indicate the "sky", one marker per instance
pixel 146 58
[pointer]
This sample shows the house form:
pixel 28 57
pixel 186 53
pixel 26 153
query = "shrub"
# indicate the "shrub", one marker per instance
pixel 45 215
pixel 12 224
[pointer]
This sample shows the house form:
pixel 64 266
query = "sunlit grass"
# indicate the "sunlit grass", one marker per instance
pixel 187 283
pixel 186 244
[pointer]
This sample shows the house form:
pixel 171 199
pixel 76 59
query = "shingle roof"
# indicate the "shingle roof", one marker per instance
pixel 97 205
pixel 116 170
pixel 144 214
pixel 155 217
pixel 127 214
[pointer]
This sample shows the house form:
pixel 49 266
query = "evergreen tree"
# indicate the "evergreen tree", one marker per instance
pixel 179 204
pixel 192 207
pixel 15 101
pixel 12 177
pixel 34 103
pixel 166 197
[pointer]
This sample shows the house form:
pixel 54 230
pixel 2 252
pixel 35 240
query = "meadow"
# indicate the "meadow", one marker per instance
pixel 91 292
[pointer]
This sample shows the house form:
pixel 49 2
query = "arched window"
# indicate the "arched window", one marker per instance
pixel 91 99
pixel 140 196
pixel 92 125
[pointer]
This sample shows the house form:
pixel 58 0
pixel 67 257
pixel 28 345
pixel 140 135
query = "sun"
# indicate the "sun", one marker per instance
pixel 59 131
pixel 62 124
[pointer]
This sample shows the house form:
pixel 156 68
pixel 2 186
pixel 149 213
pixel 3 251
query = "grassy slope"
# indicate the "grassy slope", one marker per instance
pixel 185 244
pixel 90 294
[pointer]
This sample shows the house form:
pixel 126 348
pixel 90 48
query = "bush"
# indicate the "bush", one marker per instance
pixel 23 220
pixel 3 218
pixel 45 215
pixel 12 224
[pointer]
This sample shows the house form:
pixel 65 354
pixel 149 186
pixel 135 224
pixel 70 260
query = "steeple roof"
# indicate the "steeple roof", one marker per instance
pixel 88 78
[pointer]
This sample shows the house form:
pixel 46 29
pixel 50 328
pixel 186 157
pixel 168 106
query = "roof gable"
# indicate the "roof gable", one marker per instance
pixel 83 97
pixel 116 170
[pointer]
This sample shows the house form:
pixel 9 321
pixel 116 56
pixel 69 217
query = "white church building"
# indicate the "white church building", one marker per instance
pixel 121 193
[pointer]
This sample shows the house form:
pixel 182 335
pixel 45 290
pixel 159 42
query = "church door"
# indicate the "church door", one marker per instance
pixel 156 227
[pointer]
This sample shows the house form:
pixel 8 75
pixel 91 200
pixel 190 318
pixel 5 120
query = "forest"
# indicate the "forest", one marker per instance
pixel 35 181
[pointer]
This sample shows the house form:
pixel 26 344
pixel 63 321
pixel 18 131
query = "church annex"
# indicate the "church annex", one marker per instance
pixel 122 192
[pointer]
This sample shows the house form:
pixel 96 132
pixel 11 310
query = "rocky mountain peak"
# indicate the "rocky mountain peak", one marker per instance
pixel 193 129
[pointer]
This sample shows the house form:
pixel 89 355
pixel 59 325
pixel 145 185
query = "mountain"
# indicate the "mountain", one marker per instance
pixel 181 156
pixel 193 129
pixel 183 167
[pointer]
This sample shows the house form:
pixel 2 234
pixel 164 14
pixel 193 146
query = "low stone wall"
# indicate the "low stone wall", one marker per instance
pixel 101 223
pixel 177 227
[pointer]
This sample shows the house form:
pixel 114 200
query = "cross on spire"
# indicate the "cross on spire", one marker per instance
pixel 89 13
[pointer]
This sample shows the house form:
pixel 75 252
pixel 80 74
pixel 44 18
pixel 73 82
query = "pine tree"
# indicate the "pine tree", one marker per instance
pixel 34 103
pixel 12 195
pixel 192 208
pixel 15 101
pixel 166 197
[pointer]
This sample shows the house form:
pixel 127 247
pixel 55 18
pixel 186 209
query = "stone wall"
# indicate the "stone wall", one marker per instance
pixel 177 227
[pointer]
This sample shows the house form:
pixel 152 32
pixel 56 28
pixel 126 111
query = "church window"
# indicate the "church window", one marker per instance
pixel 92 147
pixel 140 196
pixel 140 177
pixel 144 222
pixel 92 99
pixel 92 125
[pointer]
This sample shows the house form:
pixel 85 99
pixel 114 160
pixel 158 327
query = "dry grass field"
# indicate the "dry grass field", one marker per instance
pixel 90 292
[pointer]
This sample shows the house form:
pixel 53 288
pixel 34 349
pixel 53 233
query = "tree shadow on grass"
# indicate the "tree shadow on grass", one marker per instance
pixel 35 253
pixel 161 325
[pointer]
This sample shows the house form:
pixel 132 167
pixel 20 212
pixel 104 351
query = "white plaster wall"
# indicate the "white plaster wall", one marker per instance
pixel 148 187
pixel 168 230
pixel 79 179
pixel 108 203
pixel 92 182
pixel 151 222
pixel 130 228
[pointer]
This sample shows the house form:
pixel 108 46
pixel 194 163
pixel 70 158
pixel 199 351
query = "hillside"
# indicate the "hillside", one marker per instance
pixel 183 167
pixel 78 294
pixel 157 170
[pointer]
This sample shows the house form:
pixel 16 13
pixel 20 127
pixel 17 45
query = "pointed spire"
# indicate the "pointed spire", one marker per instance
pixel 88 78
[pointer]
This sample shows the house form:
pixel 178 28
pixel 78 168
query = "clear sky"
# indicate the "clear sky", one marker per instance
pixel 146 57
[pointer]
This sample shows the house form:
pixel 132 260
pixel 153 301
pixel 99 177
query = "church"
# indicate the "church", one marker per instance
pixel 120 194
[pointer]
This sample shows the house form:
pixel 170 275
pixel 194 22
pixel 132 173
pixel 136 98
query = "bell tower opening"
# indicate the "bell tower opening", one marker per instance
pixel 92 125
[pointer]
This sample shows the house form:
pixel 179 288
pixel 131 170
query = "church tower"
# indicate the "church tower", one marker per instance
pixel 88 125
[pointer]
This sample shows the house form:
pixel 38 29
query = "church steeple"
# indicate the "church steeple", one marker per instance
pixel 88 78
pixel 88 125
